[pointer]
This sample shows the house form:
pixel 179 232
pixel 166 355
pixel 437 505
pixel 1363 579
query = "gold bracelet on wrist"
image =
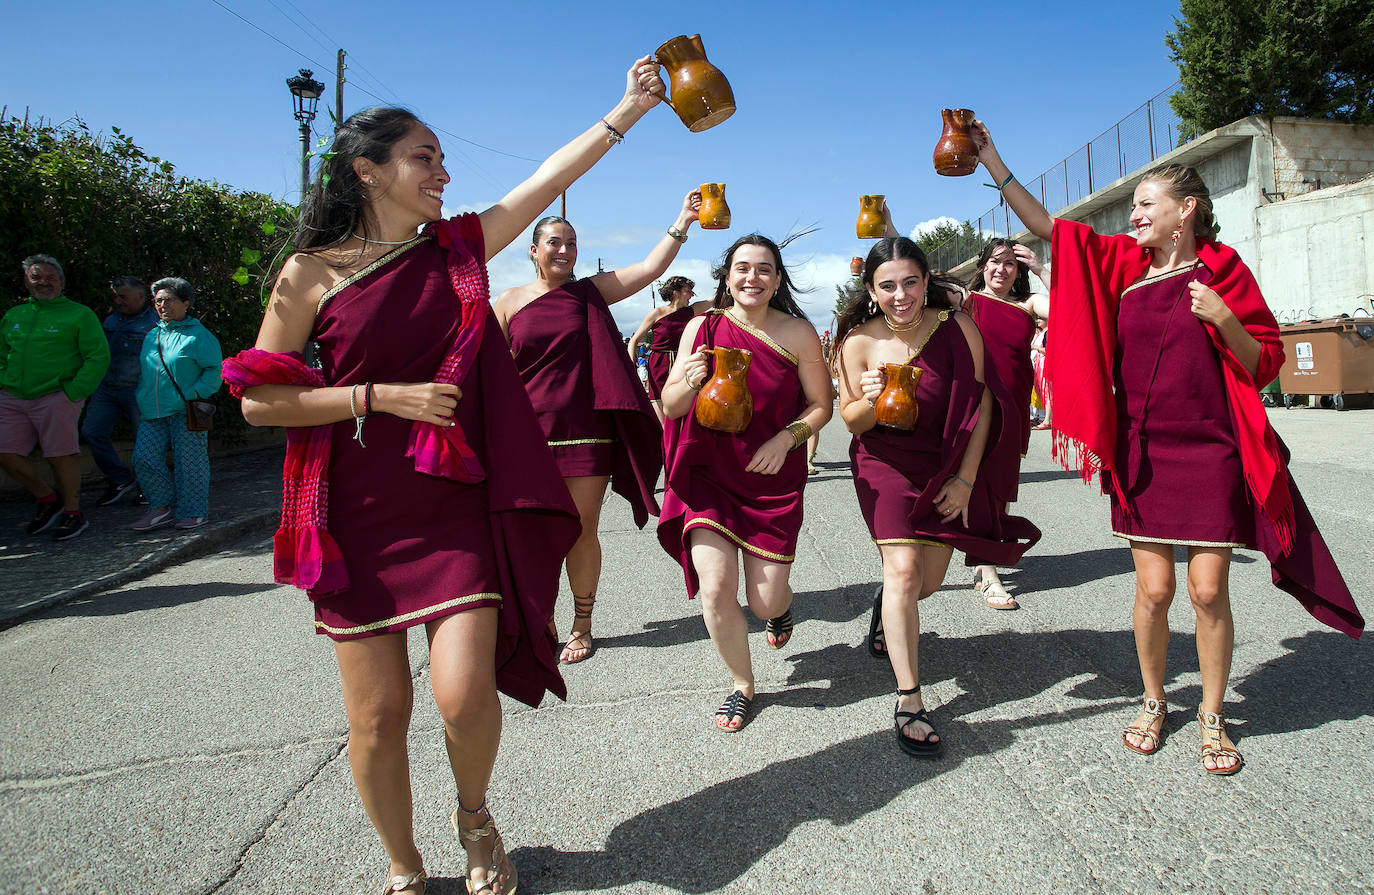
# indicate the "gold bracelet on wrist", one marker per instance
pixel 677 234
pixel 800 431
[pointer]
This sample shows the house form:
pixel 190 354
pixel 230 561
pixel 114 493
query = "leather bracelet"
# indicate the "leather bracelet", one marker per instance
pixel 677 234
pixel 367 400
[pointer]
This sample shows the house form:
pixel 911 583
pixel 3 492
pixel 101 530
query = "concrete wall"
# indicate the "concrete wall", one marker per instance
pixel 1311 155
pixel 1318 258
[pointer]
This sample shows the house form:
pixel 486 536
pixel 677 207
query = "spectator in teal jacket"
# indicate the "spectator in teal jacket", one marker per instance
pixel 180 357
pixel 53 354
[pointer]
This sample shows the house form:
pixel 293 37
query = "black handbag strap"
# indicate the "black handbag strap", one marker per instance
pixel 162 360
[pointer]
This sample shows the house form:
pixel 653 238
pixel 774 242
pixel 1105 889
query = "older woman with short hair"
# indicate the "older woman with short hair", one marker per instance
pixel 180 362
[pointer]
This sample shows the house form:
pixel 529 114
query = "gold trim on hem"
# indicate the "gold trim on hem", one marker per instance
pixel 757 551
pixel 573 441
pixel 1177 543
pixel 1028 312
pixel 355 277
pixel 1161 276
pixel 758 334
pixel 409 616
pixel 922 541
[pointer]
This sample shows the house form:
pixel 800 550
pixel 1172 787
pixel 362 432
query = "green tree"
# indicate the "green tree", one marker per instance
pixel 1269 58
pixel 104 207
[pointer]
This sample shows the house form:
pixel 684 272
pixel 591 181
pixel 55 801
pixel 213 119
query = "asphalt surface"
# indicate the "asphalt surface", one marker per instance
pixel 178 727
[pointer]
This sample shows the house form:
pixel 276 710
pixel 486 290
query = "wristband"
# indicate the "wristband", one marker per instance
pixel 800 431
pixel 612 135
pixel 677 234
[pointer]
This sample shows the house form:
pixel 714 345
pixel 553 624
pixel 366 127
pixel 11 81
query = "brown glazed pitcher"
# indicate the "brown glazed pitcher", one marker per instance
pixel 870 224
pixel 701 96
pixel 957 153
pixel 724 403
pixel 896 407
pixel 714 213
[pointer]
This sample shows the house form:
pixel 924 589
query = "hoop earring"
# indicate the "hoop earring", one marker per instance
pixel 872 306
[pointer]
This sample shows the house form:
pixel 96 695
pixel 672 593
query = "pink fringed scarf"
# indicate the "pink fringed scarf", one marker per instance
pixel 304 553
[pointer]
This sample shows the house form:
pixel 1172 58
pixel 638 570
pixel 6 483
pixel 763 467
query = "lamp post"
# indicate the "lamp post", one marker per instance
pixel 305 94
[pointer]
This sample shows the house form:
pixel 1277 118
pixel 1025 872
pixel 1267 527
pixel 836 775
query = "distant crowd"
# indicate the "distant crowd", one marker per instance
pixel 149 362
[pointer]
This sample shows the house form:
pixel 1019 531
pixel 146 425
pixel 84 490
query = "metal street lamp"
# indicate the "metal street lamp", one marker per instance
pixel 305 94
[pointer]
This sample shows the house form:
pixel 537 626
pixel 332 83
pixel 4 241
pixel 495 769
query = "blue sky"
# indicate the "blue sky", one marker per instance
pixel 834 101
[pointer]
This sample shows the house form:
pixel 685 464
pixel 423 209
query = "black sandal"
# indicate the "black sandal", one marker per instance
pixel 877 646
pixel 779 630
pixel 735 704
pixel 925 748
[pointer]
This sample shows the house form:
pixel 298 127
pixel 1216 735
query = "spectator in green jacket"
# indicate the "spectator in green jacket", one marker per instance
pixel 53 354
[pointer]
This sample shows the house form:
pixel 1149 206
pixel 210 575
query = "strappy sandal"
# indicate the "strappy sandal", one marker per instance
pixel 877 646
pixel 736 704
pixel 501 872
pixel 926 748
pixel 579 647
pixel 779 630
pixel 1155 711
pixel 402 882
pixel 1213 729
pixel 994 593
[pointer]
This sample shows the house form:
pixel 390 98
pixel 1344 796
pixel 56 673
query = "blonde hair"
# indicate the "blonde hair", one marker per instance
pixel 1182 182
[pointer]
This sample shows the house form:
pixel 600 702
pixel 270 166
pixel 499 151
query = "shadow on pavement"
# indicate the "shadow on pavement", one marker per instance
pixel 138 599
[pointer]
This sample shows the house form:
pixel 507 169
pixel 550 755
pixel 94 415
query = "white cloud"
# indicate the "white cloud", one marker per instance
pixel 925 227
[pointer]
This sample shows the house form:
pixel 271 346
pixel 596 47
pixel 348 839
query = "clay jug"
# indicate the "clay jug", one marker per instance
pixel 896 407
pixel 957 152
pixel 724 403
pixel 700 95
pixel 870 224
pixel 714 213
pixel 856 266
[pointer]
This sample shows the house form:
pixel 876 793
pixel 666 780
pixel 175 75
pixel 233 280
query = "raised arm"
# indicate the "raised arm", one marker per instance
pixel 615 285
pixel 1026 206
pixel 507 219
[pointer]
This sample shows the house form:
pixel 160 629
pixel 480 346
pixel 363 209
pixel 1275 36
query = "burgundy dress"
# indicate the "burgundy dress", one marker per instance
pixel 1007 330
pixel 1177 437
pixel 707 484
pixel 667 333
pixel 586 393
pixel 419 547
pixel 897 473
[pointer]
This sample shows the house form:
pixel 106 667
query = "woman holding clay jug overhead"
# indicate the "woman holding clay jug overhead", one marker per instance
pixel 1159 340
pixel 585 391
pixel 418 490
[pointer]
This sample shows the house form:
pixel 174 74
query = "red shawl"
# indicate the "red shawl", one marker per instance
pixel 1090 273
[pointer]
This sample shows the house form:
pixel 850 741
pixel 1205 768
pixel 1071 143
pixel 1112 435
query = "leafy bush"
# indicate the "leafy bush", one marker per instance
pixel 104 207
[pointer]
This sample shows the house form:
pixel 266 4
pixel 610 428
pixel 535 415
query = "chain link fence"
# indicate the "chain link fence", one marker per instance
pixel 1132 143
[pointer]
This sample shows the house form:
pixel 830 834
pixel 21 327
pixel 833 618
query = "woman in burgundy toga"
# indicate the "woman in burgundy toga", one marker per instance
pixel 418 490
pixel 926 491
pixel 664 328
pixel 588 398
pixel 738 496
pixel 1159 340
pixel 1000 301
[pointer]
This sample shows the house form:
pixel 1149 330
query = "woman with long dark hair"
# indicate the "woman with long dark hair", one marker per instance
pixel 927 491
pixel 663 326
pixel 584 389
pixel 1000 301
pixel 737 497
pixel 418 489
pixel 1159 340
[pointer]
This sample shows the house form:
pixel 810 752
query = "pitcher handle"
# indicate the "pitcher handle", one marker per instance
pixel 664 94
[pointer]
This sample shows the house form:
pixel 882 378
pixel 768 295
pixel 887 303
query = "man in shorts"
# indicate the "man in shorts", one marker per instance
pixel 53 354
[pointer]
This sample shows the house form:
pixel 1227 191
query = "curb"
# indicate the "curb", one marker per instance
pixel 204 542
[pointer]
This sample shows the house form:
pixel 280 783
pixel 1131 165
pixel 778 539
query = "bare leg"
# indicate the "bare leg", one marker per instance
pixel 584 561
pixel 987 583
pixel 766 588
pixel 22 471
pixel 462 662
pixel 717 567
pixel 911 572
pixel 813 444
pixel 1208 587
pixel 66 472
pixel 375 672
pixel 1154 592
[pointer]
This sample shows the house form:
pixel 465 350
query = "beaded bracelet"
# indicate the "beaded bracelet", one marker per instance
pixel 358 419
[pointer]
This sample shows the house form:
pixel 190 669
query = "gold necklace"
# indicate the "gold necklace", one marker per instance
pixel 905 327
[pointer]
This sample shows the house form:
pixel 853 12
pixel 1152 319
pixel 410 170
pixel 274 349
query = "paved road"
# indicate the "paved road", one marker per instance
pixel 184 733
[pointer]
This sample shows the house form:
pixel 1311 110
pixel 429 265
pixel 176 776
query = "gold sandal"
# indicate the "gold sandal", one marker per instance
pixel 402 882
pixel 1154 710
pixel 579 641
pixel 1213 729
pixel 501 872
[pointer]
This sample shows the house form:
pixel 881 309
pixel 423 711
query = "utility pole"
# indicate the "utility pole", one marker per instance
pixel 338 90
pixel 563 209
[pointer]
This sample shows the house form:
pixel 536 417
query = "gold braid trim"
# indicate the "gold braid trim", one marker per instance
pixel 757 551
pixel 409 616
